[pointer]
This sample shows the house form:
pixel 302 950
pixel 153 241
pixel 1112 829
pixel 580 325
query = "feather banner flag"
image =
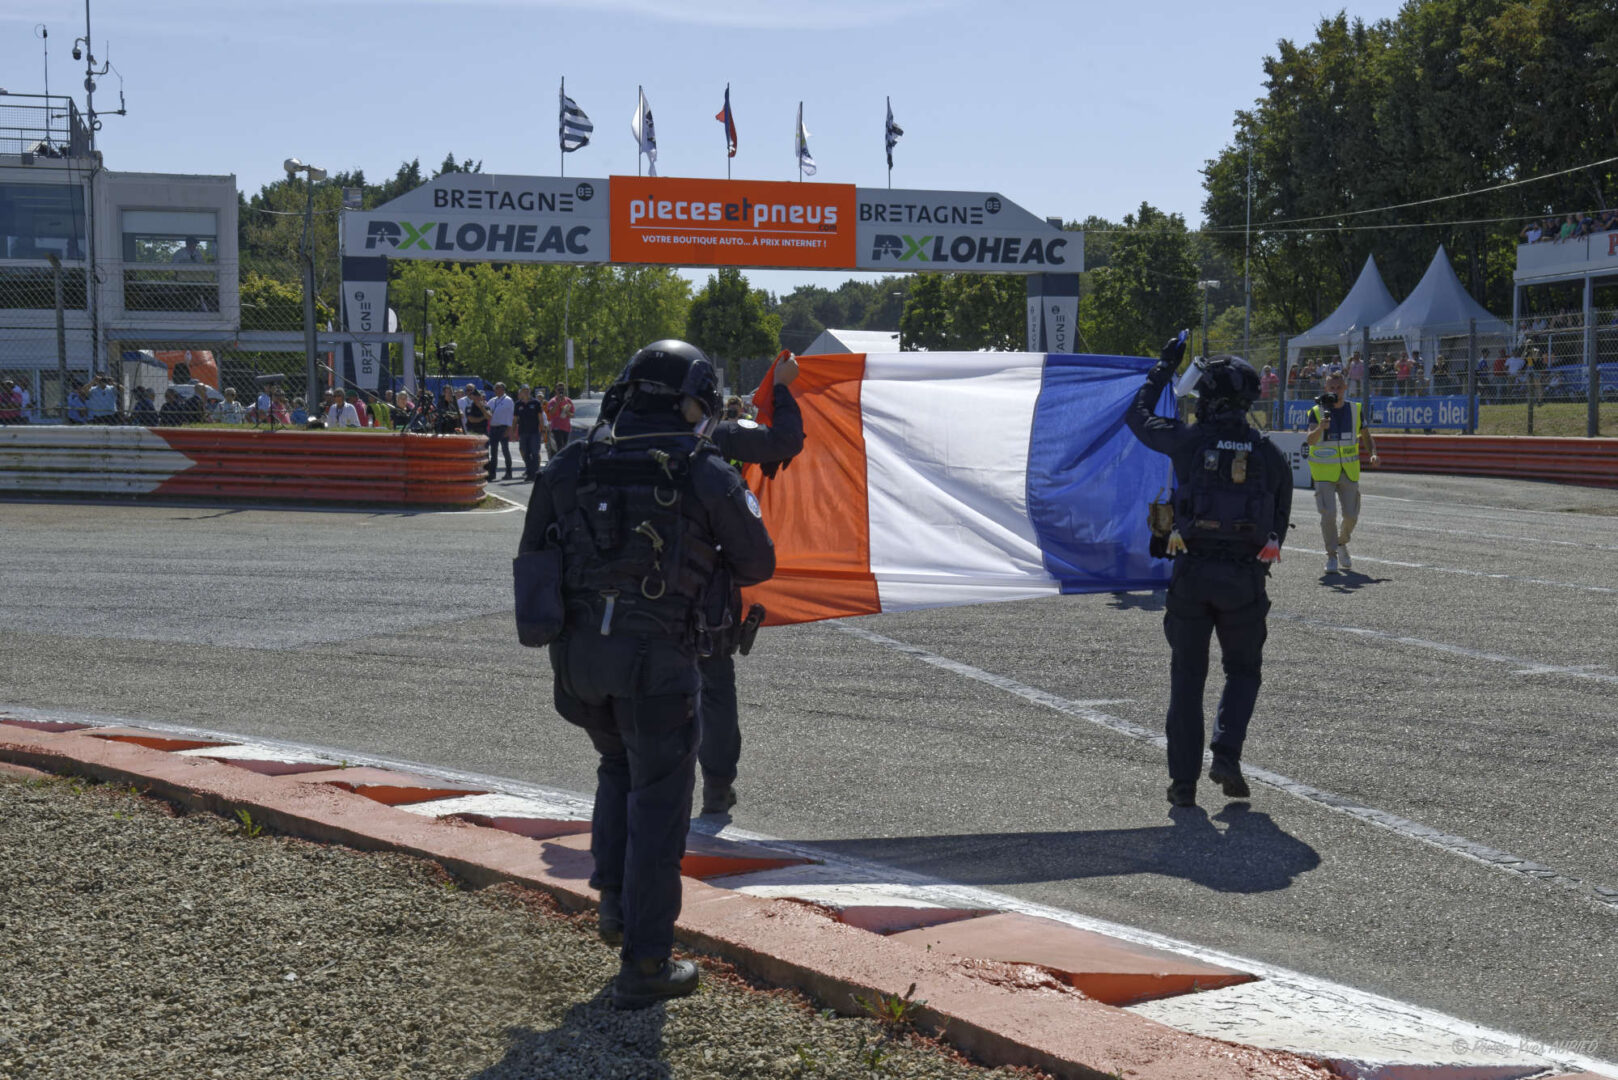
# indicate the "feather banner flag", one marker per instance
pixel 806 162
pixel 726 117
pixel 936 479
pixel 891 133
pixel 575 127
pixel 645 135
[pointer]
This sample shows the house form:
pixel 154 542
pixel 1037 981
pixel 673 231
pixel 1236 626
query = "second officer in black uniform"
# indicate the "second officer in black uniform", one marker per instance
pixel 1232 502
pixel 644 515
pixel 738 441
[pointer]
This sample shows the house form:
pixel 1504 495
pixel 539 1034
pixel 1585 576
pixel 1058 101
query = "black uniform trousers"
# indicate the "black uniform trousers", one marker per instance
pixel 498 443
pixel 636 697
pixel 1207 597
pixel 720 750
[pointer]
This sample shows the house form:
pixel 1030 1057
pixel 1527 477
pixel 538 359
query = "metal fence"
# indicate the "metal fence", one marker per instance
pixel 51 370
pixel 1556 375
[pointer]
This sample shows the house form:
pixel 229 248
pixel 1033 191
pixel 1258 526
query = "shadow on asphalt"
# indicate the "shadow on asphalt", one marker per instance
pixel 1349 581
pixel 593 1039
pixel 1138 601
pixel 1251 854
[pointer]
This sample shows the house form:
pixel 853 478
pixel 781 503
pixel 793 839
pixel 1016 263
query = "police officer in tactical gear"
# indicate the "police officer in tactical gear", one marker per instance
pixel 645 514
pixel 738 441
pixel 1232 503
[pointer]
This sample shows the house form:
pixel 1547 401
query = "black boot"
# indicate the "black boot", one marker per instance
pixel 717 798
pixel 1228 775
pixel 646 982
pixel 610 917
pixel 1183 793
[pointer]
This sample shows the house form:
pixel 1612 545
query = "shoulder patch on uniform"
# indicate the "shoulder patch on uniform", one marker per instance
pixel 752 504
pixel 747 424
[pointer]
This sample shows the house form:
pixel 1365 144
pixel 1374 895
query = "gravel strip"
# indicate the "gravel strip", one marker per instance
pixel 136 942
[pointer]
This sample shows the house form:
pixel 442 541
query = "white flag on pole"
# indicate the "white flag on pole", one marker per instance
pixel 645 134
pixel 806 163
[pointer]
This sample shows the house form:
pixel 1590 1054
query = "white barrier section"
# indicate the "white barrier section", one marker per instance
pixel 87 459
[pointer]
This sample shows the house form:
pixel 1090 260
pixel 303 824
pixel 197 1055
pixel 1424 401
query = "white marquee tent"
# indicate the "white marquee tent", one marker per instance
pixel 1366 303
pixel 1439 307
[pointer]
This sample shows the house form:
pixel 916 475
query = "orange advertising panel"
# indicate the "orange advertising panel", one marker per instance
pixel 692 222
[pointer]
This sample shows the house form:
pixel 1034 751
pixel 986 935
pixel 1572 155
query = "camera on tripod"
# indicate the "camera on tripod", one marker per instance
pixel 1327 400
pixel 446 353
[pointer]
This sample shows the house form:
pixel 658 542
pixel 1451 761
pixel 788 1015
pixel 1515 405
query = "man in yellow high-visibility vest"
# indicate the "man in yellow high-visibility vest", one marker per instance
pixel 1336 433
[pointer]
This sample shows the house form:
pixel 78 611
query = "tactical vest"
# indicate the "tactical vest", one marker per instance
pixel 633 555
pixel 1226 505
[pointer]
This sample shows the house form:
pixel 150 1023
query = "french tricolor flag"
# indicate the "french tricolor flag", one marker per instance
pixel 932 479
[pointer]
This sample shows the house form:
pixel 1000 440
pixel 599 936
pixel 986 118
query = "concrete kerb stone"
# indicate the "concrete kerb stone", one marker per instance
pixel 999 1013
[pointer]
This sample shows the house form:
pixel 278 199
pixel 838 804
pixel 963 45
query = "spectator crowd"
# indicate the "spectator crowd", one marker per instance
pixel 1570 227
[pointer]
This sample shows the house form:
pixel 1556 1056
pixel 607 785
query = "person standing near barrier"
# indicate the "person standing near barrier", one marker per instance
pixel 103 401
pixel 501 410
pixel 1233 496
pixel 530 417
pixel 1336 434
pixel 738 440
pixel 635 521
pixel 559 417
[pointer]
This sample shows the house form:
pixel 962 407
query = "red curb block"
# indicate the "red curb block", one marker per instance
pixel 1000 1013
pixel 152 739
pixel 386 787
pixel 533 828
pixel 1105 968
pixel 43 725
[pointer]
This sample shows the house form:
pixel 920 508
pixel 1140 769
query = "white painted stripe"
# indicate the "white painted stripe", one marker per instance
pixel 1523 666
pixel 1491 513
pixel 1467 573
pixel 1603 896
pixel 1278 1016
pixel 1319 995
pixel 948 483
pixel 1469 534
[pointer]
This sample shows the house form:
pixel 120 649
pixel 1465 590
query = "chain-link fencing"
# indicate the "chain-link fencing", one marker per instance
pixel 1452 378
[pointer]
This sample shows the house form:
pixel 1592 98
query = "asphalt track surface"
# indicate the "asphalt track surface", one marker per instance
pixel 1461 682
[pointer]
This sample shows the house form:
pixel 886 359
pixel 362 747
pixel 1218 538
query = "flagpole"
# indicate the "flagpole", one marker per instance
pixel 797 142
pixel 729 123
pixel 561 148
pixel 640 117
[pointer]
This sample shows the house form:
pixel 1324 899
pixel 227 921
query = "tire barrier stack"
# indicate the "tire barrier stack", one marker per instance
pixel 1593 462
pixel 372 468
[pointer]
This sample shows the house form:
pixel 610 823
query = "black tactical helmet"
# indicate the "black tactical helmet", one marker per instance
pixel 674 367
pixel 1228 384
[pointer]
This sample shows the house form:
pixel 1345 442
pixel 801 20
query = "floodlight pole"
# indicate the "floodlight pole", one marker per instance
pixel 1247 260
pixel 307 247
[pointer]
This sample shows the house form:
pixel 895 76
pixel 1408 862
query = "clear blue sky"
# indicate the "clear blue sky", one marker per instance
pixel 1067 108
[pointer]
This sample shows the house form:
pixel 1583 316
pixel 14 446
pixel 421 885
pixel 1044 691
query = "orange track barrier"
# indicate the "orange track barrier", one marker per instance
pixel 331 466
pixel 1592 462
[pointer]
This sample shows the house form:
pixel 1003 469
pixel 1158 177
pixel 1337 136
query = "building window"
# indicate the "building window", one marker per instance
pixel 170 260
pixel 38 220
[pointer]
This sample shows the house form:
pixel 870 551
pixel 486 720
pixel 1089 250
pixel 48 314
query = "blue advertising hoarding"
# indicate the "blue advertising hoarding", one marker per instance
pixel 1450 411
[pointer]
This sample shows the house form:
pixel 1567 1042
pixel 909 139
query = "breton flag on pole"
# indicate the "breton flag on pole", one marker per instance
pixel 959 478
pixel 892 133
pixel 575 127
pixel 806 163
pixel 645 135
pixel 726 117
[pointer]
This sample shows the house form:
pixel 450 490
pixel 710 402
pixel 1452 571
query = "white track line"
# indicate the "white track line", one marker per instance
pixel 1601 895
pixel 1606 590
pixel 1469 534
pixel 931 889
pixel 1523 666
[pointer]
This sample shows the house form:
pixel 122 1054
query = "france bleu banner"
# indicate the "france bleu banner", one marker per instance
pixel 1449 411
pixel 933 479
